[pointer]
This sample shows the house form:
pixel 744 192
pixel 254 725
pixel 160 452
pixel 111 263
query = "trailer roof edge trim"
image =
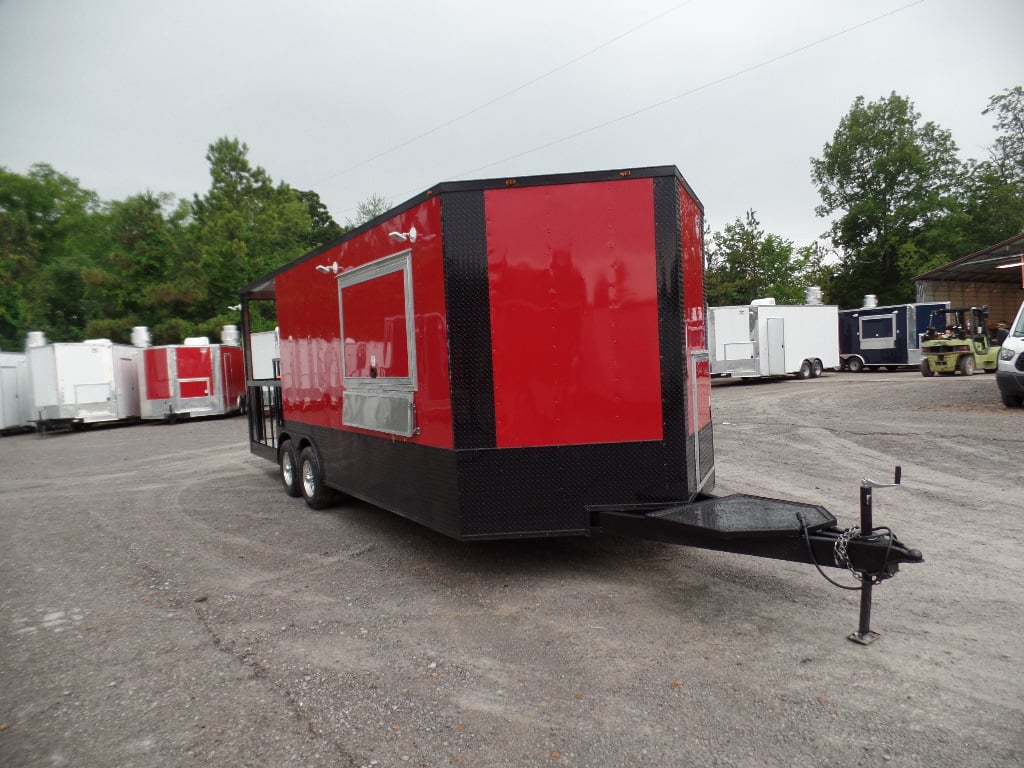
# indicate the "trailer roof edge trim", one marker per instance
pixel 263 288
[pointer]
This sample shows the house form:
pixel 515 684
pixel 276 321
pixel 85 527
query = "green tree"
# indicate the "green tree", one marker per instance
pixel 994 196
pixel 744 263
pixel 1007 152
pixel 323 228
pixel 75 267
pixel 367 209
pixel 244 226
pixel 143 278
pixel 897 187
pixel 50 230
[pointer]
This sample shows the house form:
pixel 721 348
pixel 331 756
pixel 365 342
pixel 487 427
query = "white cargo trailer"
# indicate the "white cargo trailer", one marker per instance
pixel 82 382
pixel 768 339
pixel 15 397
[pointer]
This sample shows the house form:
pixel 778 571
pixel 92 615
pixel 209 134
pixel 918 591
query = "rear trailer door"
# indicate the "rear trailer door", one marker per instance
pixel 195 372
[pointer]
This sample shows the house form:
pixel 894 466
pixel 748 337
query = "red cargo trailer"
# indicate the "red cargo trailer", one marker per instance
pixel 196 378
pixel 517 358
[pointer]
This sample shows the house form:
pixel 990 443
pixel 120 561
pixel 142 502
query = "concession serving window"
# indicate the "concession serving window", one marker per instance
pixel 379 339
pixel 878 332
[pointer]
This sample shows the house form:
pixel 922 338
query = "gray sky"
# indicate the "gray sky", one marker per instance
pixel 390 97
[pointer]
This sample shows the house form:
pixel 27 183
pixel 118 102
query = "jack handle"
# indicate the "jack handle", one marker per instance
pixel 864 635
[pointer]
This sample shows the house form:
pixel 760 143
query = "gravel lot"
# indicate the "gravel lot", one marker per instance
pixel 163 603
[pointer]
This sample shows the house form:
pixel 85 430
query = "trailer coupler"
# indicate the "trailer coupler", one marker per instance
pixel 773 528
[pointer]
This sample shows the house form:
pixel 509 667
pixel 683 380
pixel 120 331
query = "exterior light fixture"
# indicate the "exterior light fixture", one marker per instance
pixel 328 269
pixel 402 237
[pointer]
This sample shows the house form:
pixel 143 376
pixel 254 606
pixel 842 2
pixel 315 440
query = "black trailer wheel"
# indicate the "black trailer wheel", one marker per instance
pixel 966 365
pixel 311 480
pixel 926 370
pixel 805 370
pixel 855 365
pixel 289 465
pixel 816 368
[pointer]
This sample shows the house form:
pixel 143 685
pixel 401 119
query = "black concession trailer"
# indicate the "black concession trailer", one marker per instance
pixel 522 357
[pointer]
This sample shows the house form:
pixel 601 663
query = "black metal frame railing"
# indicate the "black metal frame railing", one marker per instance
pixel 263 405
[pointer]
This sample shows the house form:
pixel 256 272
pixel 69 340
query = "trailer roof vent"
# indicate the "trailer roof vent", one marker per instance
pixel 767 302
pixel 229 335
pixel 197 341
pixel 35 339
pixel 870 300
pixel 812 295
pixel 141 337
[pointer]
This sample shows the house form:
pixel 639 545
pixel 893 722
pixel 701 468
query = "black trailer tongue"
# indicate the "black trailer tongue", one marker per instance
pixel 774 528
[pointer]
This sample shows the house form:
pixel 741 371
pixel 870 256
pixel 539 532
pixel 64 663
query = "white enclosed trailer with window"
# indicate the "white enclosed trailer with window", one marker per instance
pixel 767 339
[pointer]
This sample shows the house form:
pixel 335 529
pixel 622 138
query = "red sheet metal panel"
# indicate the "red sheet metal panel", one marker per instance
pixel 574 314
pixel 310 322
pixel 232 361
pixel 194 371
pixel 698 371
pixel 158 380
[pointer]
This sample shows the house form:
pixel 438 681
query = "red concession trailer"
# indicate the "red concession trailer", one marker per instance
pixel 517 357
pixel 196 378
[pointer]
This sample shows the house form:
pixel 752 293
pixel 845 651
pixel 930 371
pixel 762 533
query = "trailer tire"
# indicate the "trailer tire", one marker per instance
pixel 855 365
pixel 966 365
pixel 289 466
pixel 805 370
pixel 816 368
pixel 311 480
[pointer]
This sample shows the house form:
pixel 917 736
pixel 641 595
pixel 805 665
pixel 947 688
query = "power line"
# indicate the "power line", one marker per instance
pixel 505 95
pixel 692 91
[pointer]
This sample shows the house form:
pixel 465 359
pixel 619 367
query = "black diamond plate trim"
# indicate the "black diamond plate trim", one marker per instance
pixel 675 394
pixel 467 297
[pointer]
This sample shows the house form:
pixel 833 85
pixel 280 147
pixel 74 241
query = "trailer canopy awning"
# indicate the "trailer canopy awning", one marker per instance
pixel 1000 263
pixel 263 290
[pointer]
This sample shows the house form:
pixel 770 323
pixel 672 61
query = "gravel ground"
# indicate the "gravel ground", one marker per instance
pixel 163 603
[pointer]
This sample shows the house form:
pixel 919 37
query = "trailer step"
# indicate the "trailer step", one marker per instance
pixel 744 516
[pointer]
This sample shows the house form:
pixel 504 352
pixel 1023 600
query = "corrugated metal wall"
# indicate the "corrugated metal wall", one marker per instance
pixel 1003 299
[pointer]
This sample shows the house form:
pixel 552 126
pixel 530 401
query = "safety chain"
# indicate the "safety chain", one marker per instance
pixel 839 551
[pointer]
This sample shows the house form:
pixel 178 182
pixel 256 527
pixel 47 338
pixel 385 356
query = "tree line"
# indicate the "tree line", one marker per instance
pixel 899 201
pixel 77 267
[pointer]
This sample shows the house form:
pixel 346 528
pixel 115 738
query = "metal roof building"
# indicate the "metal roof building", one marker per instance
pixel 993 276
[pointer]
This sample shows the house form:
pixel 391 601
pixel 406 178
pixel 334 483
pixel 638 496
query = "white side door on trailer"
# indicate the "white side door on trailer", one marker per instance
pixel 10 416
pixel 42 368
pixel 128 405
pixel 775 339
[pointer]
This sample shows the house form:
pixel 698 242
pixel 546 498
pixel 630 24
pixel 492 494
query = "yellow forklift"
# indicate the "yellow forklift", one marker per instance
pixel 957 340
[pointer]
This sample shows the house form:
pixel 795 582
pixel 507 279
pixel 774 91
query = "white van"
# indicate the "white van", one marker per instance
pixel 1010 374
